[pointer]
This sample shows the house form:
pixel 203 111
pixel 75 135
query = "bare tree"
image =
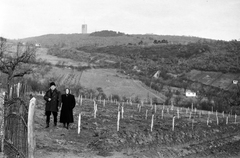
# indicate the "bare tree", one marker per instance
pixel 14 60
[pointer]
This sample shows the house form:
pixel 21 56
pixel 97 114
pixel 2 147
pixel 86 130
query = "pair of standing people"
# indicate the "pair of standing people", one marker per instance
pixel 54 101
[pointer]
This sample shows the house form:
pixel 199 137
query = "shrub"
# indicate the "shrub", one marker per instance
pixel 206 106
pixel 115 97
pixel 37 86
pixel 137 99
pixel 154 100
pixel 124 99
pixel 177 100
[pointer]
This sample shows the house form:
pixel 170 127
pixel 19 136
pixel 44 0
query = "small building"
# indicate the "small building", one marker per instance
pixel 190 93
pixel 37 45
pixel 157 74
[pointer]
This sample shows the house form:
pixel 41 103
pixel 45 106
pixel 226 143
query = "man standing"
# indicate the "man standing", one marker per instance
pixel 53 101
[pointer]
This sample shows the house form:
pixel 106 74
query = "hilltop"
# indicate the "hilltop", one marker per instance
pixel 107 38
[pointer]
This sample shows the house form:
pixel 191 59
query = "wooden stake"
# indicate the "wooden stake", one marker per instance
pixel 79 123
pixel 217 119
pixel 152 122
pixel 18 89
pixel 11 91
pixel 146 114
pixel 155 108
pixel 168 110
pixel 190 115
pixel 226 120
pixel 95 109
pixel 192 123
pixel 207 121
pixel 122 112
pixel 104 102
pixel 81 100
pixel 178 113
pixel 118 119
pixel 235 118
pixel 31 131
pixel 223 114
pixel 162 113
pixel 173 123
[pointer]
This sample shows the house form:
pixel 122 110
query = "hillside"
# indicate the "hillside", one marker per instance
pixel 215 79
pixel 141 56
pixel 106 39
pixel 111 82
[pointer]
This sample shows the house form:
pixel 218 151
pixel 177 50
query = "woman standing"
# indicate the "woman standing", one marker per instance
pixel 68 103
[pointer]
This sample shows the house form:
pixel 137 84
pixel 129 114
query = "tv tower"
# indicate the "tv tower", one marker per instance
pixel 84 28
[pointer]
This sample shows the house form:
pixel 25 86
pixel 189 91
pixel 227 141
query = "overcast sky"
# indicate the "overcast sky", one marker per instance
pixel 216 19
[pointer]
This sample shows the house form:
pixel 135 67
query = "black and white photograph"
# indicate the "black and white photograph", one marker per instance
pixel 120 79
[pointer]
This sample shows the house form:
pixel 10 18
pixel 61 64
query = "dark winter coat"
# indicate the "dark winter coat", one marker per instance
pixel 68 103
pixel 55 102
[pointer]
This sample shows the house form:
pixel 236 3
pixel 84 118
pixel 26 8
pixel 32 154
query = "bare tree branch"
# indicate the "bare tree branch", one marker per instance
pixel 16 63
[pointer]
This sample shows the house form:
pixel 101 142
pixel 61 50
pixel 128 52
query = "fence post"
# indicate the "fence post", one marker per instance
pixel 79 123
pixel 2 98
pixel 18 89
pixel 31 134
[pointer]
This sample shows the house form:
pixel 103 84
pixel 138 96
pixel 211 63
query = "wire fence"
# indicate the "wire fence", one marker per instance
pixel 14 131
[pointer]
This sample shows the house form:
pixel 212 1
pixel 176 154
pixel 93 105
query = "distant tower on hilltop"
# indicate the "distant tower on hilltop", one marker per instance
pixel 84 28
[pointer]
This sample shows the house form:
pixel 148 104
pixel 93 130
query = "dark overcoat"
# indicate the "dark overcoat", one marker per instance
pixel 68 103
pixel 55 102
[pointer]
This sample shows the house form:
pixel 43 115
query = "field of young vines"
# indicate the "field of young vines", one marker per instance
pixel 111 129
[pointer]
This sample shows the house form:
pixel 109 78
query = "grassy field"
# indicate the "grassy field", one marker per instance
pixel 108 79
pixel 42 54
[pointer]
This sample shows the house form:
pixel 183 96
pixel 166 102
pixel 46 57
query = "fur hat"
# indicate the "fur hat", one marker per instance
pixel 52 84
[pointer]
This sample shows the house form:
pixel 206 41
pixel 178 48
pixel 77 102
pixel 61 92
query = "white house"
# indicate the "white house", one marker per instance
pixel 190 93
pixel 37 45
